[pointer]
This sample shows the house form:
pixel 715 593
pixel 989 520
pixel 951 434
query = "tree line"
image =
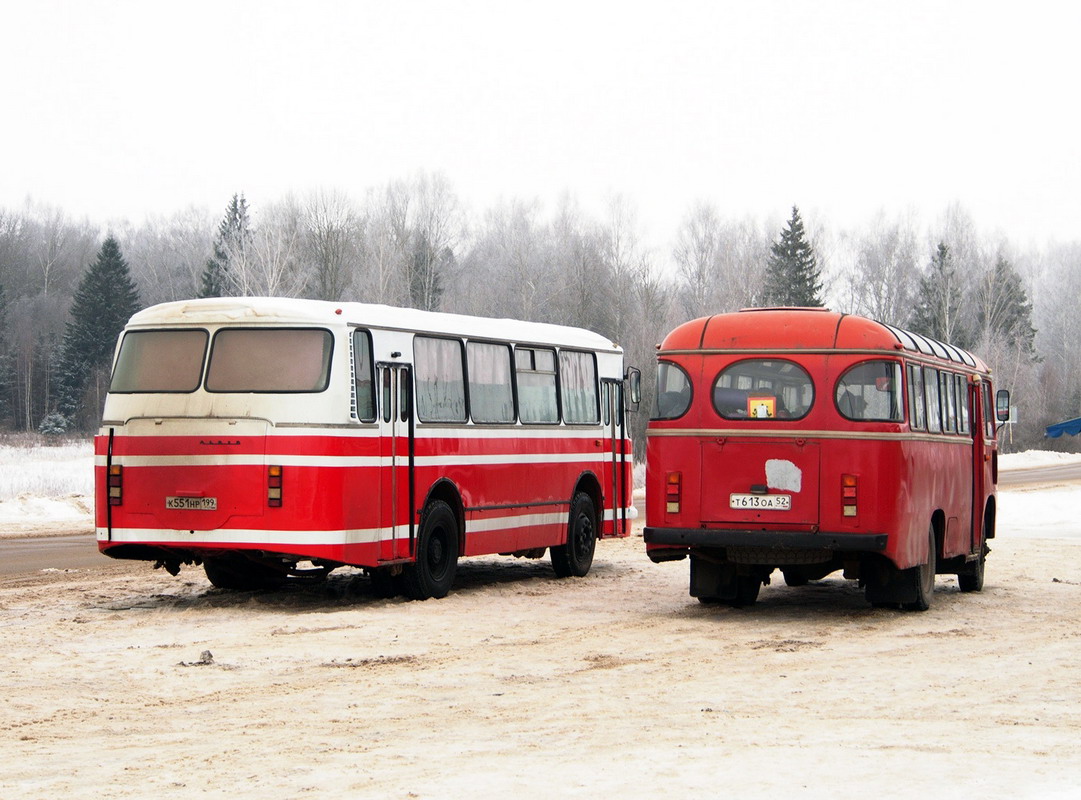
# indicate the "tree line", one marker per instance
pixel 67 286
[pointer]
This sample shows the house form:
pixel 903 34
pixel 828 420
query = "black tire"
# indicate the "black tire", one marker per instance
pixel 432 573
pixel 923 577
pixel 241 574
pixel 574 558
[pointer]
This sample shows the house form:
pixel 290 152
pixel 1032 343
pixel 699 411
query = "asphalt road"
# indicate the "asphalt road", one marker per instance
pixel 80 551
pixel 33 554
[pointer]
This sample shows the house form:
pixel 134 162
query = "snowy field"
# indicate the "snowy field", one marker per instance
pixel 43 486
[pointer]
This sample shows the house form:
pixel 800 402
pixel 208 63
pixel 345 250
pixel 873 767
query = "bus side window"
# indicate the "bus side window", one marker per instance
pixel 578 386
pixel 949 402
pixel 535 369
pixel 387 405
pixel 491 392
pixel 440 379
pixel 934 408
pixel 962 405
pixel 916 403
pixel 363 375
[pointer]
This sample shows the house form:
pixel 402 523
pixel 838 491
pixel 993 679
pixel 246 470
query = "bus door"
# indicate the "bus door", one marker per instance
pixel 396 449
pixel 981 460
pixel 614 421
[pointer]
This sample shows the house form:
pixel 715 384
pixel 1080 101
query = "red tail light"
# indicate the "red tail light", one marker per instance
pixel 848 495
pixel 673 492
pixel 274 486
pixel 116 484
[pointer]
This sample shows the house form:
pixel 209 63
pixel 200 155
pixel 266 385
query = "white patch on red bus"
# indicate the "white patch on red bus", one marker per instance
pixel 783 475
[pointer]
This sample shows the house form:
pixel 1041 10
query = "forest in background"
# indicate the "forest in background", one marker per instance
pixel 413 242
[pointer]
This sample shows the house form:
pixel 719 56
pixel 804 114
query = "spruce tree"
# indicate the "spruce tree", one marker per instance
pixel 938 311
pixel 234 236
pixel 104 300
pixel 792 274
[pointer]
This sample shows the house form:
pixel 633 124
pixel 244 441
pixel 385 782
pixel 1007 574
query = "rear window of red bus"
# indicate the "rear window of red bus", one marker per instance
pixel 763 389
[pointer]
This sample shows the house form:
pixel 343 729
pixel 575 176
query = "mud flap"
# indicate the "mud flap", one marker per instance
pixel 885 584
pixel 712 580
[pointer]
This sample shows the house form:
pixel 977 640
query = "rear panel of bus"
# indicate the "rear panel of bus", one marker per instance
pixel 804 441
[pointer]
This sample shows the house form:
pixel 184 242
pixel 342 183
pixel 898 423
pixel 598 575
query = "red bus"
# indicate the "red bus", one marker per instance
pixel 811 441
pixel 268 438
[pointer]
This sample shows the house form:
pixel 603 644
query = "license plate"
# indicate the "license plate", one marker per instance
pixel 192 503
pixel 765 502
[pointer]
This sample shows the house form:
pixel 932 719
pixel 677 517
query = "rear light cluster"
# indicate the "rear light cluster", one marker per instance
pixel 673 492
pixel 274 486
pixel 848 495
pixel 116 484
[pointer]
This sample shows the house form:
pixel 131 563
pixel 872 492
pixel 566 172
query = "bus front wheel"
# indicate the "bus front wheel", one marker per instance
pixel 574 558
pixel 432 573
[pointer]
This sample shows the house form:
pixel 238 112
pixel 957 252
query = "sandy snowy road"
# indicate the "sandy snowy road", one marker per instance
pixel 125 682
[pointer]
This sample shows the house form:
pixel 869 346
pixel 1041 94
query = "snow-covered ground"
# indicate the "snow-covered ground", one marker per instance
pixel 53 486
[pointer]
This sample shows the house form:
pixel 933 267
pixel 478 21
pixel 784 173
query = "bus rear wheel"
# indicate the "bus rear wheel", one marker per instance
pixel 922 578
pixel 432 573
pixel 970 578
pixel 574 558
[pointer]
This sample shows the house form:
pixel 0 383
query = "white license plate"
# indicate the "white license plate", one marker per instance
pixel 192 503
pixel 765 502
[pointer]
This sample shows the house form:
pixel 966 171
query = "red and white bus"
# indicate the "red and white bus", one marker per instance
pixel 268 438
pixel 810 441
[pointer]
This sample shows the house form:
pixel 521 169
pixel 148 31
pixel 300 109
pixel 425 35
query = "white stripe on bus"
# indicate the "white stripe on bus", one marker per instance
pixel 255 459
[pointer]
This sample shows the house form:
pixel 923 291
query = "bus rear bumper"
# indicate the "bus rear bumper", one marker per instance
pixel 781 540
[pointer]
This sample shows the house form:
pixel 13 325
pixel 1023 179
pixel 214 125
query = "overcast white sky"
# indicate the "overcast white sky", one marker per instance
pixel 126 108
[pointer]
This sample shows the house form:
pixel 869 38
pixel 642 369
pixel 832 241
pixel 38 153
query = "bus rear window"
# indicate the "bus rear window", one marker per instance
pixel 160 361
pixel 763 389
pixel 871 391
pixel 270 360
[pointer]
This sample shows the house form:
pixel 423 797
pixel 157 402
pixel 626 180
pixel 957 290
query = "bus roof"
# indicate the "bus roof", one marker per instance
pixel 785 329
pixel 289 311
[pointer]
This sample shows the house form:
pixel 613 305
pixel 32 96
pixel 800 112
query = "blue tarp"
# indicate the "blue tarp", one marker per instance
pixel 1070 426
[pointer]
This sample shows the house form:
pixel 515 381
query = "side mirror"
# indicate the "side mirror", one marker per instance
pixel 1002 405
pixel 633 391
